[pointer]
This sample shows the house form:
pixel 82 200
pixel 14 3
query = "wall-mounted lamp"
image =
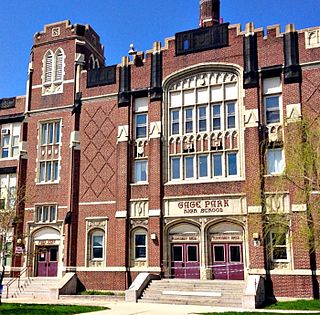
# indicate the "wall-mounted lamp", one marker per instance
pixel 256 239
pixel 153 236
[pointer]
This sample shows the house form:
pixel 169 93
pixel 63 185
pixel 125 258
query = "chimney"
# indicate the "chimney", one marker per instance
pixel 209 12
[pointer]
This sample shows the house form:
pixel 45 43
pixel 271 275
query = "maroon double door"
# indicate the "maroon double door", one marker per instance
pixel 47 261
pixel 227 261
pixel 185 263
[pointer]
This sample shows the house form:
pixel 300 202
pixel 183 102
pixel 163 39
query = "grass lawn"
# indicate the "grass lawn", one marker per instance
pixel 308 305
pixel 40 309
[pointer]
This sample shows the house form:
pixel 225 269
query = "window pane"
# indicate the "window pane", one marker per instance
pixel 279 239
pixel 42 171
pixel 5 152
pixel 53 254
pixel 97 252
pixel 275 163
pixel 140 171
pixel 55 170
pixel 97 240
pixel 141 252
pixel 49 171
pixel 216 117
pixel 202 117
pixel 192 253
pixel 44 133
pixel 231 123
pixel 217 165
pixel 175 122
pixel 140 239
pixel 188 120
pixel 141 126
pixel 53 213
pixel 46 213
pixel 177 253
pixel 57 132
pixel 272 109
pixel 235 255
pixel 5 140
pixel 175 168
pixel 232 164
pixel 280 253
pixel 203 166
pixel 51 133
pixel 189 167
pixel 218 253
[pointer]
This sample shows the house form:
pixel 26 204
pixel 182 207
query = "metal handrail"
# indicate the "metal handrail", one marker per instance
pixel 12 281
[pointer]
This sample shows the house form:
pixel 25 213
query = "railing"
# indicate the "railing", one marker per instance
pixel 18 278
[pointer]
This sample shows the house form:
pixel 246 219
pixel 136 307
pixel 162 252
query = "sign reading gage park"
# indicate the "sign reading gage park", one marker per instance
pixel 205 207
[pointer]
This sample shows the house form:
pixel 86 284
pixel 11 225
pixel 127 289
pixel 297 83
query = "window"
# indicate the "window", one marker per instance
pixel 46 213
pixel 175 125
pixel 275 161
pixel 140 245
pixel 140 171
pixel 272 89
pixel 10 139
pixel 141 126
pixel 216 117
pixel 8 186
pixel 53 65
pixel 175 168
pixel 97 246
pixel 49 151
pixel 203 128
pixel 203 166
pixel 279 245
pixel 202 119
pixel 141 117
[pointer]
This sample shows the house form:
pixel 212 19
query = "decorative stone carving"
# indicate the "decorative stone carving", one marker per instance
pixel 312 38
pixel 293 112
pixel 139 209
pixel 123 133
pixel 136 223
pixel 251 118
pixel 155 129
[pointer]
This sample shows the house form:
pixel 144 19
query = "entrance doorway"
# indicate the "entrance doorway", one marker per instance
pixel 227 261
pixel 47 261
pixel 185 262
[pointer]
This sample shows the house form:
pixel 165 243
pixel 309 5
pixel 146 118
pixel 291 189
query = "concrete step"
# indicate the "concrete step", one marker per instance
pixel 197 292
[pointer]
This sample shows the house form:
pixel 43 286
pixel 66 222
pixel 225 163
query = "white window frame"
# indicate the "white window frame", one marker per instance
pixel 286 246
pixel 135 179
pixel 92 234
pixel 272 87
pixel 49 167
pixel 145 234
pixel 193 97
pixel 52 84
pixel 12 131
pixel 8 190
pixel 268 161
pixel 40 213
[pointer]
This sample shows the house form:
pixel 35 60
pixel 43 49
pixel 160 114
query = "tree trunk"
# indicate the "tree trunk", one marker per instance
pixel 1 280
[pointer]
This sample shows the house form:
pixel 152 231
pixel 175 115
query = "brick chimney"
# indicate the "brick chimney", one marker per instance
pixel 209 12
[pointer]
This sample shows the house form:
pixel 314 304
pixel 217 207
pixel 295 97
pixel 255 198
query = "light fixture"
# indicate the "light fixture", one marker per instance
pixel 153 236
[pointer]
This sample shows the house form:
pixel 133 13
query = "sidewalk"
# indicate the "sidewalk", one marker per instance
pixel 126 308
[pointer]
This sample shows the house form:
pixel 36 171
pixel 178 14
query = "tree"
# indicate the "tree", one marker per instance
pixel 302 177
pixel 11 198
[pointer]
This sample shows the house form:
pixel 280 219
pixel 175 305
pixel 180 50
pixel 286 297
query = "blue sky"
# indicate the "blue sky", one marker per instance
pixel 120 22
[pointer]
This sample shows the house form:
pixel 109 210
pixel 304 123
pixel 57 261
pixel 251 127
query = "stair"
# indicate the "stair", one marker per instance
pixel 35 288
pixel 194 292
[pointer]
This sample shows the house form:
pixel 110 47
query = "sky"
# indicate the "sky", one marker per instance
pixel 121 22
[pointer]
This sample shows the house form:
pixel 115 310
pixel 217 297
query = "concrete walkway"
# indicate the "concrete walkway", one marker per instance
pixel 126 308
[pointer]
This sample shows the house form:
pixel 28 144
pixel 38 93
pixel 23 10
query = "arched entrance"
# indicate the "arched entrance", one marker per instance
pixel 226 247
pixel 184 254
pixel 46 248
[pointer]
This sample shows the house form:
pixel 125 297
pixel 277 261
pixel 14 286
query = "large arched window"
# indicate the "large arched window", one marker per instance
pixel 53 67
pixel 204 125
